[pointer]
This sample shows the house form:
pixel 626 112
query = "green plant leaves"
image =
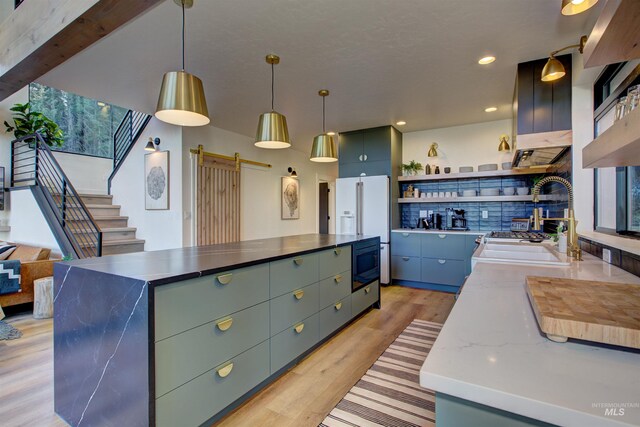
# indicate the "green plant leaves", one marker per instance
pixel 27 122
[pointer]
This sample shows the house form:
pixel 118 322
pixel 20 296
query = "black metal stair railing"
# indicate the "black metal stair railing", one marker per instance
pixel 125 137
pixel 33 163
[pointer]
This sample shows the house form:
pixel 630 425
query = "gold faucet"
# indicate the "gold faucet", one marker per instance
pixel 573 247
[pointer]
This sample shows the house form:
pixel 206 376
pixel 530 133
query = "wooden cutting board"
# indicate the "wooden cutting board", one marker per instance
pixel 594 311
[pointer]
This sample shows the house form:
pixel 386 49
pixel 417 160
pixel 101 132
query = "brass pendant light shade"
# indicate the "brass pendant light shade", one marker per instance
pixel 182 101
pixel 573 7
pixel 272 130
pixel 553 70
pixel 433 150
pixel 324 148
pixel 504 143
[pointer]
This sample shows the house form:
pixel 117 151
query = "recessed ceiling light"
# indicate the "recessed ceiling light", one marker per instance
pixel 331 133
pixel 486 60
pixel 491 109
pixel 401 123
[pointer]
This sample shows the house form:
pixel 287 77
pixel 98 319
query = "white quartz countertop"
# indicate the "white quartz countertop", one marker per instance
pixel 491 351
pixel 431 231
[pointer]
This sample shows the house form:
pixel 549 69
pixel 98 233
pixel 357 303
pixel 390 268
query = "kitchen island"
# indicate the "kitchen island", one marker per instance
pixel 182 336
pixel 491 365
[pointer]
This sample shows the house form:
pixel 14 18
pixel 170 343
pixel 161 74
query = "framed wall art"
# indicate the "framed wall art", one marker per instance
pixel 290 195
pixel 156 180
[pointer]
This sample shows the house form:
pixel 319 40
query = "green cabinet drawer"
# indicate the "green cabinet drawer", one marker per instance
pixel 443 271
pixel 198 400
pixel 190 303
pixel 293 273
pixel 292 307
pixel 444 246
pixel 334 316
pixel 364 297
pixel 334 261
pixel 182 357
pixel 293 341
pixel 405 268
pixel 405 244
pixel 334 288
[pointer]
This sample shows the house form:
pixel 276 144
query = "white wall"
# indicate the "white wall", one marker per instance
pixel 161 229
pixel 87 174
pixel 260 187
pixel 468 145
pixel 6 8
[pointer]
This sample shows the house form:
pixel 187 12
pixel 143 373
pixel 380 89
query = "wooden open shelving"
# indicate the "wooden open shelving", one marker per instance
pixel 617 146
pixel 489 174
pixel 527 198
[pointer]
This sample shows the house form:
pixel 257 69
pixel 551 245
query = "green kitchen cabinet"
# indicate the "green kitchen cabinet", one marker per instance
pixel 370 152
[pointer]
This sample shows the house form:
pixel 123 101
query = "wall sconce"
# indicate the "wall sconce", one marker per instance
pixel 153 144
pixel 553 69
pixel 292 171
pixel 504 143
pixel 433 152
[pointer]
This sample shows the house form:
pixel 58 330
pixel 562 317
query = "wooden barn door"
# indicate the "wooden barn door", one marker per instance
pixel 218 201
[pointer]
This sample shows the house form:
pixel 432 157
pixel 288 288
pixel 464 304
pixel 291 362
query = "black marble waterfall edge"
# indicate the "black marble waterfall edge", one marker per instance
pixel 625 260
pixel 241 400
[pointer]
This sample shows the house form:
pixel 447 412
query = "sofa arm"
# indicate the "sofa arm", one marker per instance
pixel 32 270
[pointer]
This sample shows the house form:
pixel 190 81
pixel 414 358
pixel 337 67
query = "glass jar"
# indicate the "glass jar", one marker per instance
pixel 633 98
pixel 621 107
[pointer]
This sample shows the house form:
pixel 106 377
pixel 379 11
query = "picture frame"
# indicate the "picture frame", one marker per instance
pixel 156 181
pixel 290 198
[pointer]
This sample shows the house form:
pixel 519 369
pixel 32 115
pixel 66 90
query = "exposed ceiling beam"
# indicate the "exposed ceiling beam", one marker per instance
pixel 40 35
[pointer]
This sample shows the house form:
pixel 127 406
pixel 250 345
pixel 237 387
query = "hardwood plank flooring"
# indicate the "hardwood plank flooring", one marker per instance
pixel 301 397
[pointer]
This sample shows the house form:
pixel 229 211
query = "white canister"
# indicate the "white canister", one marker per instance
pixel 416 193
pixel 562 243
pixel 441 194
pixel 429 195
pixel 447 194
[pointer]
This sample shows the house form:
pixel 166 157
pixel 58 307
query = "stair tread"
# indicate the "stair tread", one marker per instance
pixel 102 218
pixel 110 229
pixel 102 206
pixel 102 196
pixel 122 242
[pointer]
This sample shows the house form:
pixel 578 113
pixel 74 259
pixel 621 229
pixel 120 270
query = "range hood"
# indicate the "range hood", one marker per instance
pixel 540 149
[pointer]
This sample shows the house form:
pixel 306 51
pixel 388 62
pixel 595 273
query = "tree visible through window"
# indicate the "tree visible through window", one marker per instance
pixel 88 125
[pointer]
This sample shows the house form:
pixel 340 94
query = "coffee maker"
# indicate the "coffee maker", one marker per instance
pixel 458 222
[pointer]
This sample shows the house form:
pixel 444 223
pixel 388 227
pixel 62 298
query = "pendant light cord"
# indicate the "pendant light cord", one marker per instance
pixel 272 85
pixel 323 114
pixel 183 35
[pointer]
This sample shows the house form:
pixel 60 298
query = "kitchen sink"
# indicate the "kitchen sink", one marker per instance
pixel 519 253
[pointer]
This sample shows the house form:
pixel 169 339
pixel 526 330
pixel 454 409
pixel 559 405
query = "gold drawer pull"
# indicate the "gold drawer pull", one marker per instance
pixel 338 278
pixel 367 289
pixel 338 306
pixel 405 234
pixel 225 370
pixel 298 294
pixel 298 328
pixel 337 251
pixel 442 261
pixel 442 236
pixel 225 279
pixel 225 324
pixel 298 261
pixel 405 258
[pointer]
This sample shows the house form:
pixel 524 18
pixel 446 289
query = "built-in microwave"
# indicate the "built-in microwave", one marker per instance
pixel 365 263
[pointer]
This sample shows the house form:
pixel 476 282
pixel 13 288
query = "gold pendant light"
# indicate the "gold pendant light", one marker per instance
pixel 553 69
pixel 182 101
pixel 433 150
pixel 272 130
pixel 504 143
pixel 573 7
pixel 324 148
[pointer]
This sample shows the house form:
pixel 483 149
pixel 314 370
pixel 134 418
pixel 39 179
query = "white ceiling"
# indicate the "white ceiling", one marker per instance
pixel 382 60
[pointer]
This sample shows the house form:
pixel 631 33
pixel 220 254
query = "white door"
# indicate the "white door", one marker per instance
pixel 384 263
pixel 375 207
pixel 346 214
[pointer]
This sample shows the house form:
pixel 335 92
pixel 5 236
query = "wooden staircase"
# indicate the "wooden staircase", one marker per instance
pixel 117 236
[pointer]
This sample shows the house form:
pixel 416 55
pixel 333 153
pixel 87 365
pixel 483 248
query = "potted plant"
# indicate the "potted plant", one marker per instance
pixel 411 168
pixel 27 122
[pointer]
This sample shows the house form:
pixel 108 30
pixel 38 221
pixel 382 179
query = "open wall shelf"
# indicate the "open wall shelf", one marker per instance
pixel 527 198
pixel 490 174
pixel 617 146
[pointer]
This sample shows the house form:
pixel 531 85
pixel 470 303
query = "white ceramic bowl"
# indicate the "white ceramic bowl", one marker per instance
pixel 469 193
pixel 509 191
pixel 488 167
pixel 489 191
pixel 506 166
pixel 465 169
pixel 523 191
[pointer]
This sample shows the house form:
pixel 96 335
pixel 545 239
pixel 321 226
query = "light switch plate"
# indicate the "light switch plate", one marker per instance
pixel 430 212
pixel 485 214
pixel 606 255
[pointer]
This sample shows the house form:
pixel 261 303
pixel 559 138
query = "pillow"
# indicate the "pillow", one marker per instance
pixel 6 250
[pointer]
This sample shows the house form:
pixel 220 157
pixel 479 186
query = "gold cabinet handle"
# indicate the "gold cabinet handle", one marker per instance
pixel 225 370
pixel 405 234
pixel 225 279
pixel 225 324
pixel 442 261
pixel 338 278
pixel 405 258
pixel 298 261
pixel 442 236
pixel 298 294
pixel 298 328
pixel 337 251
pixel 338 306
pixel 367 289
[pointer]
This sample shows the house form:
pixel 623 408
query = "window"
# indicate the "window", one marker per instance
pixel 88 125
pixel 617 190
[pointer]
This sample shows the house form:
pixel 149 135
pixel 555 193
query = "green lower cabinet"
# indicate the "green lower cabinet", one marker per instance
pixel 334 316
pixel 334 288
pixel 183 357
pixel 198 400
pixel 443 271
pixel 334 261
pixel 293 273
pixel 443 245
pixel 292 307
pixel 364 298
pixel 293 341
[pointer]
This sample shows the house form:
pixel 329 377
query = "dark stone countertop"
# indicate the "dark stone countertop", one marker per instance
pixel 172 265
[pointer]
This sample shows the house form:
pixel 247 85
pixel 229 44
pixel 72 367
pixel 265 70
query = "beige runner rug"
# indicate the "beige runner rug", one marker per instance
pixel 389 394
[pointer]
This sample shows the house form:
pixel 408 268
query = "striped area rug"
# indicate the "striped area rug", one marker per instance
pixel 389 394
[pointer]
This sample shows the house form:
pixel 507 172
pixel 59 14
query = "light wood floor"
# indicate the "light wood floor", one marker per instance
pixel 301 397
